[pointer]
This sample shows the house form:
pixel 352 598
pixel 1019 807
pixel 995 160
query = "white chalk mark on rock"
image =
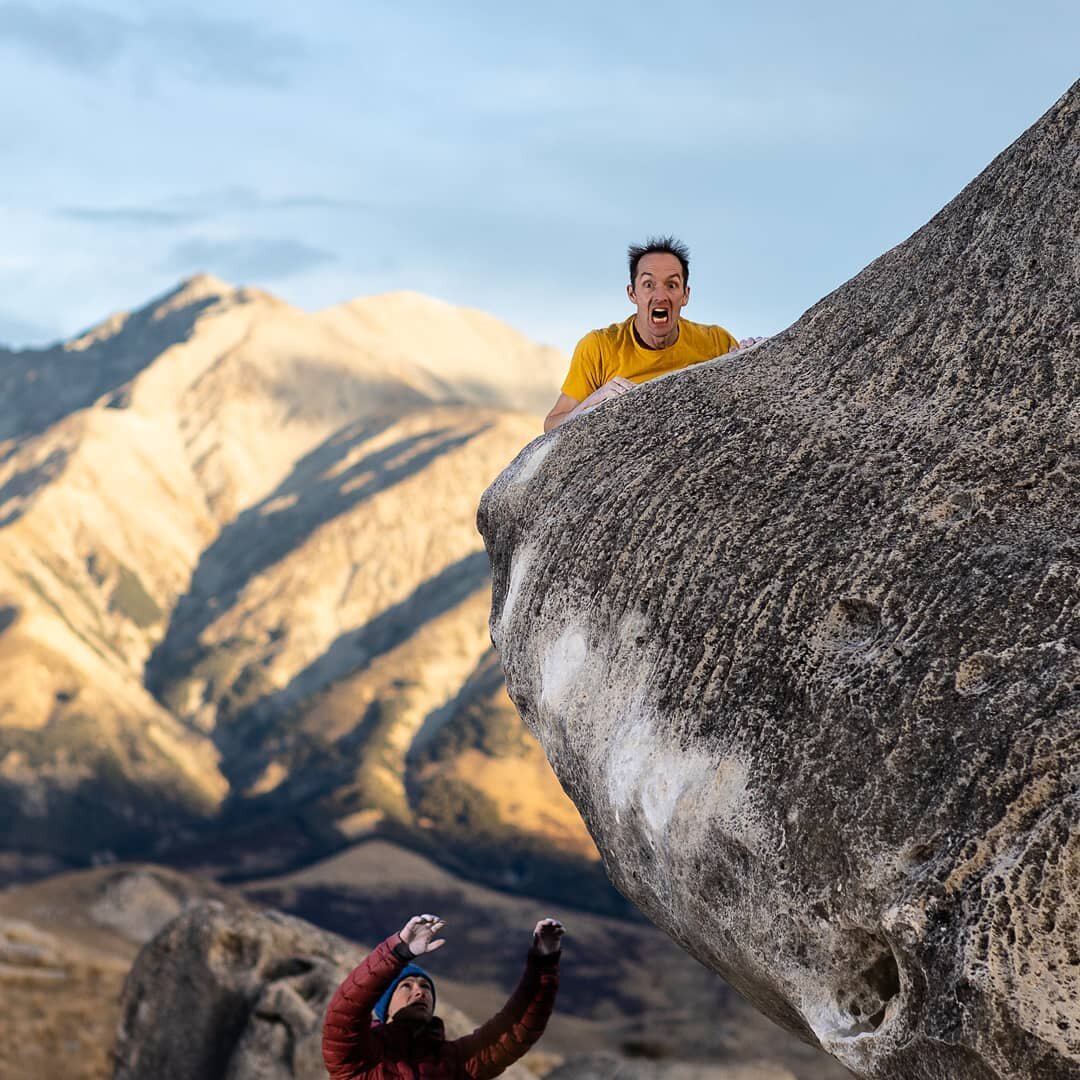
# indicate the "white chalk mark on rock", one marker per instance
pixel 532 463
pixel 518 569
pixel 561 665
pixel 674 784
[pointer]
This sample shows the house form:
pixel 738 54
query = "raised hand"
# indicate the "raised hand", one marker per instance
pixel 547 936
pixel 420 934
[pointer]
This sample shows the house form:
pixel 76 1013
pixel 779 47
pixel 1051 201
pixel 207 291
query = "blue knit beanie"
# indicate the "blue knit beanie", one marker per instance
pixel 409 969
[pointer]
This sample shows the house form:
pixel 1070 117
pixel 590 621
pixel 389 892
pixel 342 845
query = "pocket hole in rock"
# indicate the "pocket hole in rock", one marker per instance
pixel 864 1000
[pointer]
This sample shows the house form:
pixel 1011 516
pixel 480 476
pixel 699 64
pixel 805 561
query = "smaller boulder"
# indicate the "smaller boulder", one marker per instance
pixel 230 993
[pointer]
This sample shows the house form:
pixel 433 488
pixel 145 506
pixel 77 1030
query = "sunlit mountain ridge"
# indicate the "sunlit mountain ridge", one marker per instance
pixel 243 602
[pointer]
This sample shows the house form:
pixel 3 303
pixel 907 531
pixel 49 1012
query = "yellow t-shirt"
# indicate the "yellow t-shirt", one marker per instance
pixel 602 354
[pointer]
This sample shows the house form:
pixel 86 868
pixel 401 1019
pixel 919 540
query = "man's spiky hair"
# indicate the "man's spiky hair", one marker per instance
pixel 659 245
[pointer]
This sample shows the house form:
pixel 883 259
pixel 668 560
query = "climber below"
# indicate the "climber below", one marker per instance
pixel 381 1024
pixel 653 341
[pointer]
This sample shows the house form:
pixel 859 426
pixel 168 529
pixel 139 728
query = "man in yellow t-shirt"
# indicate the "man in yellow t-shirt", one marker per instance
pixel 654 341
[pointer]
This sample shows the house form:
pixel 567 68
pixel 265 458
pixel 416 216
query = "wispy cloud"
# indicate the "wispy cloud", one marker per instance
pixel 88 40
pixel 241 199
pixel 73 37
pixel 247 259
pixel 139 216
pixel 199 207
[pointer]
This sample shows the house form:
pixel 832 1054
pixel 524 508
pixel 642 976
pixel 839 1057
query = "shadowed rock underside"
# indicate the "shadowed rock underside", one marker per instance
pixel 799 632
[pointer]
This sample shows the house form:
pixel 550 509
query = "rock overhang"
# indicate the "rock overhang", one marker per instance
pixel 799 633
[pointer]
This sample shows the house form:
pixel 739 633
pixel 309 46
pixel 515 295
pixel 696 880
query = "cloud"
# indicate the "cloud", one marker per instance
pixel 70 36
pixel 313 202
pixel 87 40
pixel 229 51
pixel 249 259
pixel 140 216
pixel 199 207
pixel 243 199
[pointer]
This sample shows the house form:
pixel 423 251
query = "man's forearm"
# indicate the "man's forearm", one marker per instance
pixel 570 408
pixel 510 1033
pixel 556 419
pixel 553 420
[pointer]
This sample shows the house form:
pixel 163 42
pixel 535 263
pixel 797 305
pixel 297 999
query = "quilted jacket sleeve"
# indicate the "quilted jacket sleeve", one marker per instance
pixel 347 1044
pixel 517 1025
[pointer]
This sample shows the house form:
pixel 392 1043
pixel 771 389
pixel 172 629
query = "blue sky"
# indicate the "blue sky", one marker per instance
pixel 493 156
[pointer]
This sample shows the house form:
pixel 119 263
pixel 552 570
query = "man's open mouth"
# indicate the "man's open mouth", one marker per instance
pixel 659 315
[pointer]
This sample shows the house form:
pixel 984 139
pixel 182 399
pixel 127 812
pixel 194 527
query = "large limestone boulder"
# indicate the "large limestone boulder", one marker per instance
pixel 799 631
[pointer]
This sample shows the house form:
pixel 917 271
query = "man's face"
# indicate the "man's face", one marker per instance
pixel 659 293
pixel 413 994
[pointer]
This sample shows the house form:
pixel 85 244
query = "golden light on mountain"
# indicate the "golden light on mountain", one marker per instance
pixel 240 581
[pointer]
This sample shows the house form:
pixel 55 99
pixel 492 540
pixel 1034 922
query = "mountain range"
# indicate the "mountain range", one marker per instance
pixel 243 602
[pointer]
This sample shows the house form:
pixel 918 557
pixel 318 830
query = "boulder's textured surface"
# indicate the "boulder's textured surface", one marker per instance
pixel 798 630
pixel 222 992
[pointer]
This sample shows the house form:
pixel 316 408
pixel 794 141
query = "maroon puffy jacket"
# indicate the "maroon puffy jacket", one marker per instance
pixel 354 1046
